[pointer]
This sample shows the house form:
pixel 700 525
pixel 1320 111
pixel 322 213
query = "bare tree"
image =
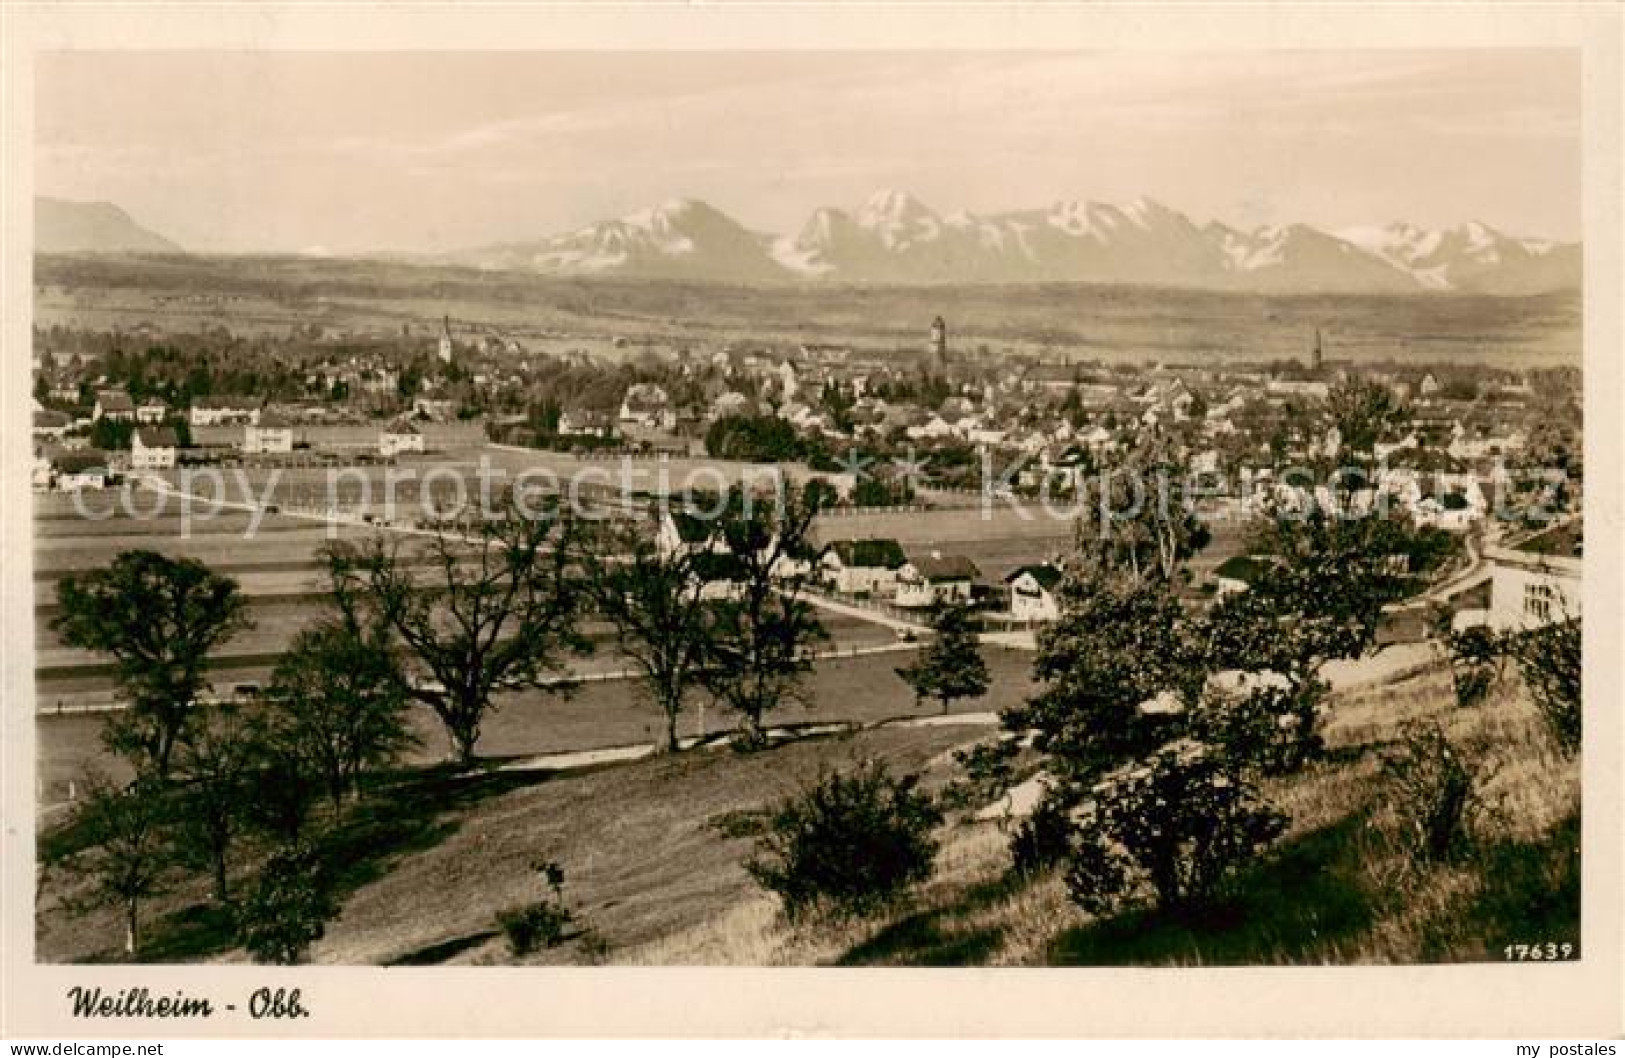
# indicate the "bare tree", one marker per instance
pixel 487 604
pixel 762 631
pixel 657 604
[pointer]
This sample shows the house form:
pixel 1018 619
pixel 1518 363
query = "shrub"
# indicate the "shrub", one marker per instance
pixel 542 924
pixel 1549 660
pixel 1044 839
pixel 1174 826
pixel 1475 662
pixel 849 843
pixel 288 909
pixel 1433 793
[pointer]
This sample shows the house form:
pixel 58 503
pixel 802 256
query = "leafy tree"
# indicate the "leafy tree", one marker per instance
pixel 159 618
pixel 288 909
pixel 951 666
pixel 761 633
pixel 216 767
pixel 663 623
pixel 1138 518
pixel 1120 641
pixel 338 704
pixel 494 609
pixel 756 438
pixel 1318 595
pixel 1362 410
pixel 849 843
pixel 118 839
pixel 111 434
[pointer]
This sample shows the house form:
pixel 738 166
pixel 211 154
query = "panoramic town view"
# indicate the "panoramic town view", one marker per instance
pixel 528 516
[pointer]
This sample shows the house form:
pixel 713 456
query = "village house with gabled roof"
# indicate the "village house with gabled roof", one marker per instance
pixel 399 436
pixel 153 448
pixel 114 405
pixel 934 579
pixel 862 567
pixel 271 435
pixel 151 412
pixel 1033 593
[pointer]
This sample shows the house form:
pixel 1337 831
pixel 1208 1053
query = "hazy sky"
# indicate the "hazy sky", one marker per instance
pixel 423 151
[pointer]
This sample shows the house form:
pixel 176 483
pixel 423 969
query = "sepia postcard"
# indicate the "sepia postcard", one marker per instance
pixel 902 520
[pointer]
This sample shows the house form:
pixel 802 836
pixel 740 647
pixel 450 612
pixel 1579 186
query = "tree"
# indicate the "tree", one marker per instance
pixel 159 618
pixel 217 763
pixel 288 909
pixel 1318 594
pixel 338 704
pixel 1119 641
pixel 117 839
pixel 494 608
pixel 761 632
pixel 1362 410
pixel 1137 518
pixel 952 665
pixel 656 603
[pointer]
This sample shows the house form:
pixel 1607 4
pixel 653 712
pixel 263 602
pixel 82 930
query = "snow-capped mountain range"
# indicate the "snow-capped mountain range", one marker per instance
pixel 895 238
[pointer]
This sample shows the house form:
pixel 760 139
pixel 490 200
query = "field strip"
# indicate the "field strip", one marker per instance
pixel 262 662
pixel 588 758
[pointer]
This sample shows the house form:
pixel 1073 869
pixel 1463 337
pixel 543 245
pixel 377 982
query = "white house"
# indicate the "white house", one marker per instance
pixel 271 435
pixel 1536 580
pixel 153 448
pixel 862 567
pixel 86 469
pixel 151 412
pixel 1033 593
pixel 222 411
pixel 400 436
pixel 933 579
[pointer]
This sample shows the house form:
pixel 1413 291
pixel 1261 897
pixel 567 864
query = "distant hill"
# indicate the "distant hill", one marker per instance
pixel 896 239
pixel 61 226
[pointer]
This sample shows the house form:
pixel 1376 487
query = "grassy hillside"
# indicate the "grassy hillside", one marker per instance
pixel 653 853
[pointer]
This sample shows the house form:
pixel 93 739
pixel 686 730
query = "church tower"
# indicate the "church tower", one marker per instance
pixel 1316 359
pixel 444 351
pixel 939 341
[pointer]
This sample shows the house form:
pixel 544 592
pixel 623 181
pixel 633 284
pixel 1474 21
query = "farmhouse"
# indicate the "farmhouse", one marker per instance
pixel 400 436
pixel 934 579
pixel 153 448
pixel 1032 593
pixel 862 567
pixel 1536 580
pixel 114 404
pixel 271 435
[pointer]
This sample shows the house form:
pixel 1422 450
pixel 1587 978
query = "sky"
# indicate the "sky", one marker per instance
pixel 427 151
